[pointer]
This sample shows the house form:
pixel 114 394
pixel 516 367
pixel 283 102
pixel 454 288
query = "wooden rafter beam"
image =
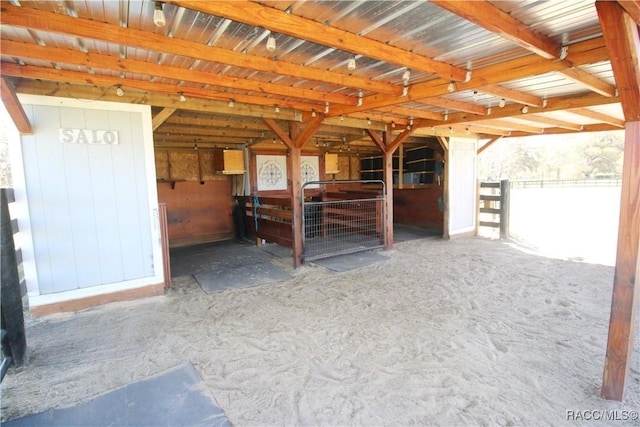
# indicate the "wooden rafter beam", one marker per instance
pixel 413 112
pixel 589 81
pixel 98 61
pixel 42 73
pixel 472 129
pixel 454 105
pixel 308 131
pixel 404 135
pixel 161 117
pixel 306 29
pixel 229 123
pixel 191 131
pixel 603 118
pixel 551 122
pixel 513 95
pixel 558 103
pixel 280 133
pixel 621 35
pixel 490 17
pixel 632 7
pixel 582 53
pixel 489 144
pixel 377 140
pixel 94 30
pixel 206 106
pixel 508 125
pixel 14 108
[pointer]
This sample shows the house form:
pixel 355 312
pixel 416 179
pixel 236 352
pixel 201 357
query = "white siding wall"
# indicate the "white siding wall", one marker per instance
pixel 462 176
pixel 91 207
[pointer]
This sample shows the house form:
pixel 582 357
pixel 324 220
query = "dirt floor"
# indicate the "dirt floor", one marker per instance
pixel 464 332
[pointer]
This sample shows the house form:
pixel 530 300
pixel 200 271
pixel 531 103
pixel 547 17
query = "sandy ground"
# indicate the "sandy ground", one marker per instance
pixel 464 332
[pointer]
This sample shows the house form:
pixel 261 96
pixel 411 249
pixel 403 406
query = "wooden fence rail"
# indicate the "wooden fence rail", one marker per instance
pixel 495 203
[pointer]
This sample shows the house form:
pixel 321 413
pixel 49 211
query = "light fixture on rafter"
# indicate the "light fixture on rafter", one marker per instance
pixel 271 43
pixel 326 107
pixel 119 90
pixel 406 76
pixel 351 63
pixel 360 98
pixel 451 87
pixel 277 109
pixel 158 15
pixel 525 109
pixel 502 103
pixel 313 113
pixel 182 98
pixel 475 95
pixel 446 115
pixel 231 103
pixel 545 102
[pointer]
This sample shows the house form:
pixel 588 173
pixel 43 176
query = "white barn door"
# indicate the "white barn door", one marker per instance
pixel 461 169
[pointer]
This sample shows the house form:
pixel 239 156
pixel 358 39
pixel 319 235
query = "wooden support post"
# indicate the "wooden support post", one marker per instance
pixel 504 208
pixel 12 316
pixel 296 195
pixel 388 181
pixel 625 290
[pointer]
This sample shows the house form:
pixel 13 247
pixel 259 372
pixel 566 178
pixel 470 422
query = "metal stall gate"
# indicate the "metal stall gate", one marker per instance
pixel 348 218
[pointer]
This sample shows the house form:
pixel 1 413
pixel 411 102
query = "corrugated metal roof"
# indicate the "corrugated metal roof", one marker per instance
pixel 419 27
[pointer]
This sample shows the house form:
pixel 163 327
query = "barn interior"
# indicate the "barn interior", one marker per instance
pixel 279 106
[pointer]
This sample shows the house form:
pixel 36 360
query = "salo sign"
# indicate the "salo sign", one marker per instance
pixel 88 136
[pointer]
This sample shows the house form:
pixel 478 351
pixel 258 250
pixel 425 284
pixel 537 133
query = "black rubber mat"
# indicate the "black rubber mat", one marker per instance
pixel 226 265
pixel 173 398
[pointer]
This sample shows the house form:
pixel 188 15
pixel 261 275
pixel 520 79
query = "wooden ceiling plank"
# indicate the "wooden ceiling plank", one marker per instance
pixel 473 129
pixel 162 116
pixel 215 123
pixel 621 35
pixel 306 29
pixel 14 107
pixel 582 53
pixel 197 130
pixel 589 81
pixel 512 95
pixel 490 17
pixel 551 121
pixel 413 112
pixel 33 72
pixel 632 7
pixel 604 118
pixel 53 22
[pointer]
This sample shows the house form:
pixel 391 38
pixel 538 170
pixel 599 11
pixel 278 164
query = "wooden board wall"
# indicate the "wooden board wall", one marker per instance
pixel 198 213
pixel 418 207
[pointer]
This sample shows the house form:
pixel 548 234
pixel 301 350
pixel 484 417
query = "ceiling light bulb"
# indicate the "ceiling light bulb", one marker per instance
pixel 313 113
pixel 451 87
pixel 368 121
pixel 231 103
pixel 351 64
pixel 475 95
pixel 393 124
pixel 271 43
pixel 158 15
pixel 502 103
pixel 119 91
pixel 326 107
pixel 277 109
pixel 406 76
pixel 525 109
pixel 489 110
pixel 182 98
pixel 274 140
pixel 446 116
